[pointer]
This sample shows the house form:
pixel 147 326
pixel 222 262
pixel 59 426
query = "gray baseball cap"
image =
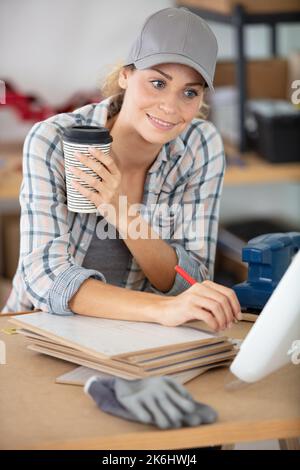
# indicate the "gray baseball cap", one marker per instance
pixel 176 35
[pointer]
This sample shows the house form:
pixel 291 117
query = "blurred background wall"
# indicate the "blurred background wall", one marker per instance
pixel 55 48
pixel 53 51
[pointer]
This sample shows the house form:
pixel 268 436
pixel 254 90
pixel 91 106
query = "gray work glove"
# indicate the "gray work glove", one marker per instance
pixel 155 400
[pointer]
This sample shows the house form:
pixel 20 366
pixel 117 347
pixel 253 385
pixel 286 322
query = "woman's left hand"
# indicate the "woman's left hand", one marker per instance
pixel 107 191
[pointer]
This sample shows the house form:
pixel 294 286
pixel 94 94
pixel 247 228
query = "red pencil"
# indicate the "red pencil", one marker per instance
pixel 185 275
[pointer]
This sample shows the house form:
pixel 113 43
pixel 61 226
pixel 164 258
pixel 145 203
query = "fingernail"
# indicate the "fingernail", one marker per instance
pixel 240 316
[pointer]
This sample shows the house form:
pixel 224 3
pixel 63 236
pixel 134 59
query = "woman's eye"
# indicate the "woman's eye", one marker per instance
pixel 195 93
pixel 157 81
pixel 161 84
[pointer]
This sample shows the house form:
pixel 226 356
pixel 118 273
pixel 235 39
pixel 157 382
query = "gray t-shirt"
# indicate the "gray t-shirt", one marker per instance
pixel 109 256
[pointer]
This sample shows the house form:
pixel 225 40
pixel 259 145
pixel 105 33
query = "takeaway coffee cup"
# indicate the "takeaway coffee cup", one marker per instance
pixel 79 138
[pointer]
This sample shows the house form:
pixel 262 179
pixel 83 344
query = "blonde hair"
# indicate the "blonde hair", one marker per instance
pixel 109 86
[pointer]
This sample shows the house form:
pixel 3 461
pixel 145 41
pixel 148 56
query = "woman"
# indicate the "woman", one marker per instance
pixel 161 154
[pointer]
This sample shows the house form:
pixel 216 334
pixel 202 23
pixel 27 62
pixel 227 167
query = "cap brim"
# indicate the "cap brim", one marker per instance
pixel 156 59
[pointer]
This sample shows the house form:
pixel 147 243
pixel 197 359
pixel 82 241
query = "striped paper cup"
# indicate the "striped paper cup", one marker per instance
pixel 80 138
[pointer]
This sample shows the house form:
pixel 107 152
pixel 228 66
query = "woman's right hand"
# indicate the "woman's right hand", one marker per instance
pixel 208 301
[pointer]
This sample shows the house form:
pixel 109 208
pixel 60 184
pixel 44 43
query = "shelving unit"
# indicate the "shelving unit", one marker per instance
pixel 250 168
pixel 239 14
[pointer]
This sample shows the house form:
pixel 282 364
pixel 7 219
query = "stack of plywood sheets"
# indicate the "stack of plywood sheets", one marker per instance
pixel 125 348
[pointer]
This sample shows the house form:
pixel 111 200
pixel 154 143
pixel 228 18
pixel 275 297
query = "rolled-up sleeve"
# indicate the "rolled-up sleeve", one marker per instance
pixel 196 230
pixel 190 265
pixel 66 285
pixel 48 269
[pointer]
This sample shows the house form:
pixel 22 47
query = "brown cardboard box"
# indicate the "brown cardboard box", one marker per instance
pixel 260 77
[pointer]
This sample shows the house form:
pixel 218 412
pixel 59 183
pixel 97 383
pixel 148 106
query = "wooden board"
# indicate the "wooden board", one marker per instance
pixel 137 357
pixel 74 353
pixel 205 355
pixel 186 365
pixel 138 367
pixel 81 374
pixel 185 355
pixel 118 347
pixel 105 338
pixel 173 349
pixel 82 362
pixel 139 360
pixel 111 367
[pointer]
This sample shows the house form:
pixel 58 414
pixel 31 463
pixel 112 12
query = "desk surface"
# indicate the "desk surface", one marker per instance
pixel 37 413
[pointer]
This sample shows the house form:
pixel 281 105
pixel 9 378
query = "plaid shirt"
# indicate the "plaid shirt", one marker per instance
pixel 189 171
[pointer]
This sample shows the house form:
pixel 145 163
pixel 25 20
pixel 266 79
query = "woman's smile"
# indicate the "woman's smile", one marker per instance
pixel 159 124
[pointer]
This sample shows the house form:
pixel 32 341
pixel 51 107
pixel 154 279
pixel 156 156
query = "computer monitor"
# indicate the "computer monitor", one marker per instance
pixel 277 328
